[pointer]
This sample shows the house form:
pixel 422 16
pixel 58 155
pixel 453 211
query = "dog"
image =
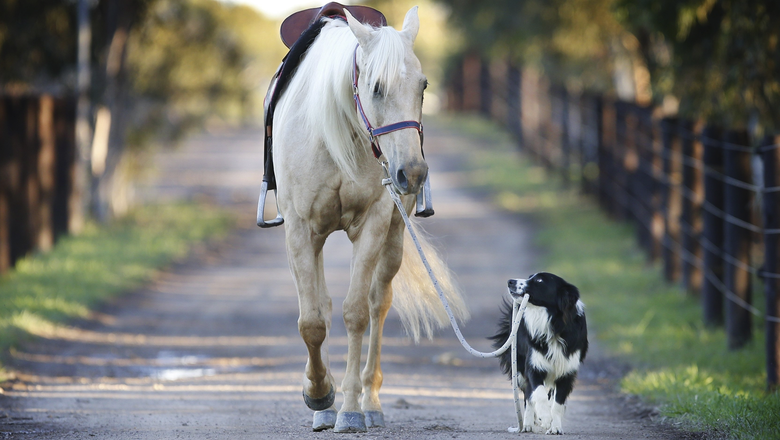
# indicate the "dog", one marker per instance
pixel 552 341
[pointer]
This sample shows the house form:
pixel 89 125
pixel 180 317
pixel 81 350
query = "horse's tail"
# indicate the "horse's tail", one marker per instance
pixel 414 295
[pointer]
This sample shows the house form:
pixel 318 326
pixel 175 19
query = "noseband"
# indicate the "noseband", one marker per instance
pixel 373 133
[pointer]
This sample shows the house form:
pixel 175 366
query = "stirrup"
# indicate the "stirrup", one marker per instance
pixel 424 203
pixel 261 209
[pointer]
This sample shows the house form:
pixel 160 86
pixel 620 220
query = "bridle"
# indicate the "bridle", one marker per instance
pixel 373 133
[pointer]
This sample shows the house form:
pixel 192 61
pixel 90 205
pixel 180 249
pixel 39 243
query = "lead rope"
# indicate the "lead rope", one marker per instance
pixel 518 307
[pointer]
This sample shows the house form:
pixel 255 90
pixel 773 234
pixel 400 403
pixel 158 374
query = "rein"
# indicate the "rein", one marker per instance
pixel 373 133
pixel 518 308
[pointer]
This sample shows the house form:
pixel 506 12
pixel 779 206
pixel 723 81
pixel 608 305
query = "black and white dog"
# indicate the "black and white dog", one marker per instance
pixel 552 341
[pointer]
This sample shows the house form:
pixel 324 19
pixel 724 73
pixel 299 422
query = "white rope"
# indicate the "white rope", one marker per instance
pixel 518 307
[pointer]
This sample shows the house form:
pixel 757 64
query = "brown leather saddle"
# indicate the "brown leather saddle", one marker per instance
pixel 294 25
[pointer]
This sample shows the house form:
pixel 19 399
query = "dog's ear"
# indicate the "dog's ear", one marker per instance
pixel 567 301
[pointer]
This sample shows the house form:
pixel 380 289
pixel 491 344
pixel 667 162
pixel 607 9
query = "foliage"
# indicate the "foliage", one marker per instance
pixel 37 42
pixel 721 56
pixel 572 40
pixel 198 59
pixel 435 43
pixel 187 60
pixel 680 365
pixel 102 262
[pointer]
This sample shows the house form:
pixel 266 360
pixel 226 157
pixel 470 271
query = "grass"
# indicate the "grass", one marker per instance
pixel 679 365
pixel 44 290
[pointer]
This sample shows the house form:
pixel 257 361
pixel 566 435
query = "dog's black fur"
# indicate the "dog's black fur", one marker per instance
pixel 552 341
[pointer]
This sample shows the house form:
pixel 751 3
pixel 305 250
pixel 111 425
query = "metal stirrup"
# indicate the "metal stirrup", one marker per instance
pixel 424 202
pixel 261 209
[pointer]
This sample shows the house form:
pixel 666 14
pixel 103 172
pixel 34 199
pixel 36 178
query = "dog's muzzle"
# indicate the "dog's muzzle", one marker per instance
pixel 517 287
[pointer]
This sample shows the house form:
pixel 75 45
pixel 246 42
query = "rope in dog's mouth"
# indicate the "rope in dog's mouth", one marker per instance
pixel 519 305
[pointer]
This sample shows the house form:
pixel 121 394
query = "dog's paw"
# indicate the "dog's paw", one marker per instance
pixel 544 421
pixel 527 428
pixel 555 429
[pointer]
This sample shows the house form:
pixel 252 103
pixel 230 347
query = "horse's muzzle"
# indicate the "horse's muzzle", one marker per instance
pixel 409 178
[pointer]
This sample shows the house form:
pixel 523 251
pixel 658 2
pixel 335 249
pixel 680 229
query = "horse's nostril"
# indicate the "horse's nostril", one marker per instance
pixel 401 179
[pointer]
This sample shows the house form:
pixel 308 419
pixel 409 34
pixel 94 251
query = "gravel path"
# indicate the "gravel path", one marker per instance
pixel 210 350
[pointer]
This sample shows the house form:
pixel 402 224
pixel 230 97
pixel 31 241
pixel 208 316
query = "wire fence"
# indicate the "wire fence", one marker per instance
pixel 705 200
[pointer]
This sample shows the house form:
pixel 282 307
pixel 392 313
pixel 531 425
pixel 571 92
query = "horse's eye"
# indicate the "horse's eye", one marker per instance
pixel 377 90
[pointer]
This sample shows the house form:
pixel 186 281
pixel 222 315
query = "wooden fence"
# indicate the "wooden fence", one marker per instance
pixel 37 152
pixel 705 200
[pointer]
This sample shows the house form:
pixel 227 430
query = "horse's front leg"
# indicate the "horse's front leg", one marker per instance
pixel 304 251
pixel 380 299
pixel 367 243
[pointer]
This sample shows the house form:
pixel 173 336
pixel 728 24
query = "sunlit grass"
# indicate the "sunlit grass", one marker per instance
pixel 679 365
pixel 102 262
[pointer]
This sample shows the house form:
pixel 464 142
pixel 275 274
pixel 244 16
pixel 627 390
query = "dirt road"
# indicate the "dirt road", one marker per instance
pixel 210 349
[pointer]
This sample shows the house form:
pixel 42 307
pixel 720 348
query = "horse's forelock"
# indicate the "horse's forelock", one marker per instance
pixel 322 86
pixel 384 58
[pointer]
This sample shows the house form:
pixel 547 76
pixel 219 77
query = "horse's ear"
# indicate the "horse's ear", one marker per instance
pixel 411 24
pixel 361 31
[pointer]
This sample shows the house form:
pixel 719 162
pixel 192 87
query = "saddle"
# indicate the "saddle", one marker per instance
pixel 298 32
pixel 296 24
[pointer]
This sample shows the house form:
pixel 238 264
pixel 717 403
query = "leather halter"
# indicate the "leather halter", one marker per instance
pixel 373 133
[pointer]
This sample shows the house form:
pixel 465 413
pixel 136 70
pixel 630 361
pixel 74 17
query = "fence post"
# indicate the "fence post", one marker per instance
pixel 606 116
pixel 485 86
pixel 565 163
pixel 691 221
pixel 649 191
pixel 737 238
pixel 712 232
pixel 44 236
pixel 5 189
pixel 66 198
pixel 620 172
pixel 771 159
pixel 513 102
pixel 672 198
pixel 471 83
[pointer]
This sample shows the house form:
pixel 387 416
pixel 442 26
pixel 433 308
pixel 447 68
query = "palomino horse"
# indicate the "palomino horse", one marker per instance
pixel 329 180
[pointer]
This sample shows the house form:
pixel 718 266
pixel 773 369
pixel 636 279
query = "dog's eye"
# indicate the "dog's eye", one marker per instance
pixel 538 280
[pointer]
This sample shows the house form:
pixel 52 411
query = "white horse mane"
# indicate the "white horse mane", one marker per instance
pixel 322 85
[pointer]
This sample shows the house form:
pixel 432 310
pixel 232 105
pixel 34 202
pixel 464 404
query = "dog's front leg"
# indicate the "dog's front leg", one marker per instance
pixel 541 404
pixel 563 387
pixel 535 399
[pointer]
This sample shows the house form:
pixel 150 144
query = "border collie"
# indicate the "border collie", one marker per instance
pixel 552 341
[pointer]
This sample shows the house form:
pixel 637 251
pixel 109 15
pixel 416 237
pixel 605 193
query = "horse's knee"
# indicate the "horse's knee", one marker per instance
pixel 313 330
pixel 356 320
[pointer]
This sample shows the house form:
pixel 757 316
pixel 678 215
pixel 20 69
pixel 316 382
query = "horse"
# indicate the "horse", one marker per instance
pixel 328 180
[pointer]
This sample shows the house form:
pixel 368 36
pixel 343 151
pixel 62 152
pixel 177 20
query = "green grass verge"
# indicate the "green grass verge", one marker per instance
pixel 679 365
pixel 81 271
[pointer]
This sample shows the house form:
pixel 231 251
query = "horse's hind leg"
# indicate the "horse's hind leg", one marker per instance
pixel 304 252
pixel 380 299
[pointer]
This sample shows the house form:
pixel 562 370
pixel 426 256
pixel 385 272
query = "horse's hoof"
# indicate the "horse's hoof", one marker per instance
pixel 375 419
pixel 324 420
pixel 350 422
pixel 322 403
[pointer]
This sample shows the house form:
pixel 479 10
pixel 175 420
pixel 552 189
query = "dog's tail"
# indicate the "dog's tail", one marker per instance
pixel 414 295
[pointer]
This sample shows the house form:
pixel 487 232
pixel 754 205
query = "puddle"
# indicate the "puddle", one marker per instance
pixel 172 366
pixel 182 373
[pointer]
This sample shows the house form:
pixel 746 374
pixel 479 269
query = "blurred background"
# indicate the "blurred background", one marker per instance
pixel 666 112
